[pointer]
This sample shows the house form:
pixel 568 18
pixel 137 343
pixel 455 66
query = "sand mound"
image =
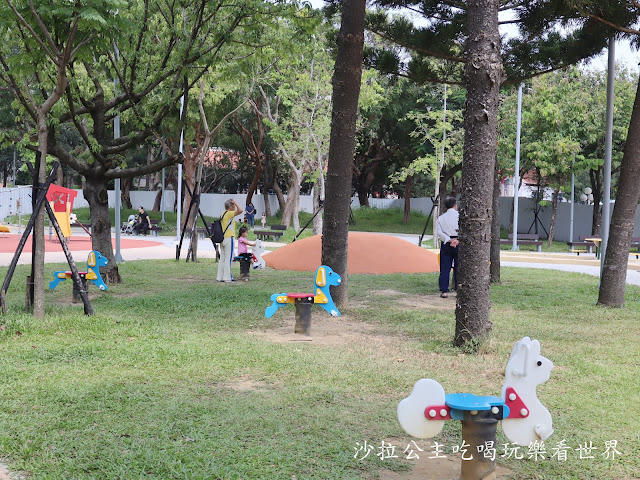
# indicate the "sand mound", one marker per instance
pixel 368 253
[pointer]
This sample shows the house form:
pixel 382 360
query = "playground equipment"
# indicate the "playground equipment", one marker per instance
pixel 38 201
pixel 61 201
pixel 325 278
pixel 258 250
pixel 246 259
pixel 94 262
pixel 524 419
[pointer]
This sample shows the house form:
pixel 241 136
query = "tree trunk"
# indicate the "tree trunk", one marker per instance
pixel 494 269
pixel 292 205
pixel 38 228
pixel 554 212
pixel 95 192
pixel 614 273
pixel 483 76
pixel 407 199
pixel 268 180
pixel 279 195
pixel 346 90
pixel 60 177
pixel 157 201
pixel 318 196
pixel 254 183
pixel 125 192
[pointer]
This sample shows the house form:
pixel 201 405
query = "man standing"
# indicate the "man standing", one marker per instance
pixel 448 233
pixel 144 223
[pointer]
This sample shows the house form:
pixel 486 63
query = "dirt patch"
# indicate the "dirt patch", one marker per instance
pixel 407 301
pixel 246 384
pixel 5 474
pixel 328 331
pixel 438 469
pixel 411 302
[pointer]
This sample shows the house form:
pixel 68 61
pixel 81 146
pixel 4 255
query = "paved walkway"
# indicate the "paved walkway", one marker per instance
pixel 163 247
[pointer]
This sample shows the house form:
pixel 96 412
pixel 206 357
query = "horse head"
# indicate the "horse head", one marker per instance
pixel 98 261
pixel 258 249
pixel 529 420
pixel 326 276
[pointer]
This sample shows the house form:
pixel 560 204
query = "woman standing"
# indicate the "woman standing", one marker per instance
pixel 250 212
pixel 226 247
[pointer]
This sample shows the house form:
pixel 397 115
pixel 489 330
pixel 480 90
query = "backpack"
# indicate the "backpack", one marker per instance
pixel 217 234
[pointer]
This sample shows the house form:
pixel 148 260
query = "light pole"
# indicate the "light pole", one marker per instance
pixel 516 175
pixel 116 135
pixel 606 194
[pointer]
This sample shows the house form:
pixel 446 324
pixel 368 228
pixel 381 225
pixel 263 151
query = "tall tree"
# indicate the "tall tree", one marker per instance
pixel 42 43
pixel 483 76
pixel 346 90
pixel 465 36
pixel 164 49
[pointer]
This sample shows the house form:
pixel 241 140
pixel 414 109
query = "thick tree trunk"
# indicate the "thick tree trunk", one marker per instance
pixel 346 90
pixel 95 192
pixel 614 273
pixel 494 269
pixel 407 199
pixel 554 213
pixel 483 76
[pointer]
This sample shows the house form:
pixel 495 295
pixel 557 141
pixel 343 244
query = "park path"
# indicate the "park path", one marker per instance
pixel 163 247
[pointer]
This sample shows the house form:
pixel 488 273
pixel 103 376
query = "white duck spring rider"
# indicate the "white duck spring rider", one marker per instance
pixel 524 419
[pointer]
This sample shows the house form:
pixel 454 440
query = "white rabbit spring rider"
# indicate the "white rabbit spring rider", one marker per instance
pixel 524 419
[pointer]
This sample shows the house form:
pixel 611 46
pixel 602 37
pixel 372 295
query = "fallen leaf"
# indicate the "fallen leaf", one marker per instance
pixel 2 327
pixel 187 439
pixel 18 333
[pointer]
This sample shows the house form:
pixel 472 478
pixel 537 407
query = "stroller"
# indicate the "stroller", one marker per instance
pixel 128 227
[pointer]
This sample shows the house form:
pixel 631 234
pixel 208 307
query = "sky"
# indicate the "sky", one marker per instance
pixel 623 51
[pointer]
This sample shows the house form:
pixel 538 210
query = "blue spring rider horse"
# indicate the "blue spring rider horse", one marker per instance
pixel 325 277
pixel 94 262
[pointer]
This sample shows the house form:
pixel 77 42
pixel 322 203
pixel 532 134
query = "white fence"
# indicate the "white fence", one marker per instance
pixel 212 204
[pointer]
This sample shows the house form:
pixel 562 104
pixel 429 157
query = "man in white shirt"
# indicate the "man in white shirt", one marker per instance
pixel 448 233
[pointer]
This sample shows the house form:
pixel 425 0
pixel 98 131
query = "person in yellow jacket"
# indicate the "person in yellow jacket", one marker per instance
pixel 232 209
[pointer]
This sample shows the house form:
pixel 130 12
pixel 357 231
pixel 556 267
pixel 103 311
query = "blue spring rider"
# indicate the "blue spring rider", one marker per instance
pixel 325 277
pixel 94 262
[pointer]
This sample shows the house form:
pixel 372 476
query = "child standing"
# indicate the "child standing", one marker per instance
pixel 243 251
pixel 263 220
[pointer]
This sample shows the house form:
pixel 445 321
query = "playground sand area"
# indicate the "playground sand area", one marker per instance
pixel 370 253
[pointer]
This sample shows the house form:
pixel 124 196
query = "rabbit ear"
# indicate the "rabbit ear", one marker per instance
pixel 517 365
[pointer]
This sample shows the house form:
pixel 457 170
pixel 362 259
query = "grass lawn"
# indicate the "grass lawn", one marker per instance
pixel 173 377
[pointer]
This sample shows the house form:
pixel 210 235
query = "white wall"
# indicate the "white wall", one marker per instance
pixel 212 204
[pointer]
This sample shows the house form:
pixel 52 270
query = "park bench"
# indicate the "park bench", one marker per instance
pixel 263 234
pixel 155 228
pixel 588 245
pixel 524 239
pixel 278 227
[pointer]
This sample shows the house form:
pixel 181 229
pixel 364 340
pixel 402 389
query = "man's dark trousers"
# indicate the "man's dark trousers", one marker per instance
pixel 448 257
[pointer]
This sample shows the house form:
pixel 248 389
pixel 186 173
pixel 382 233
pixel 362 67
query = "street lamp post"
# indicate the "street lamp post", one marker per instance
pixel 516 175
